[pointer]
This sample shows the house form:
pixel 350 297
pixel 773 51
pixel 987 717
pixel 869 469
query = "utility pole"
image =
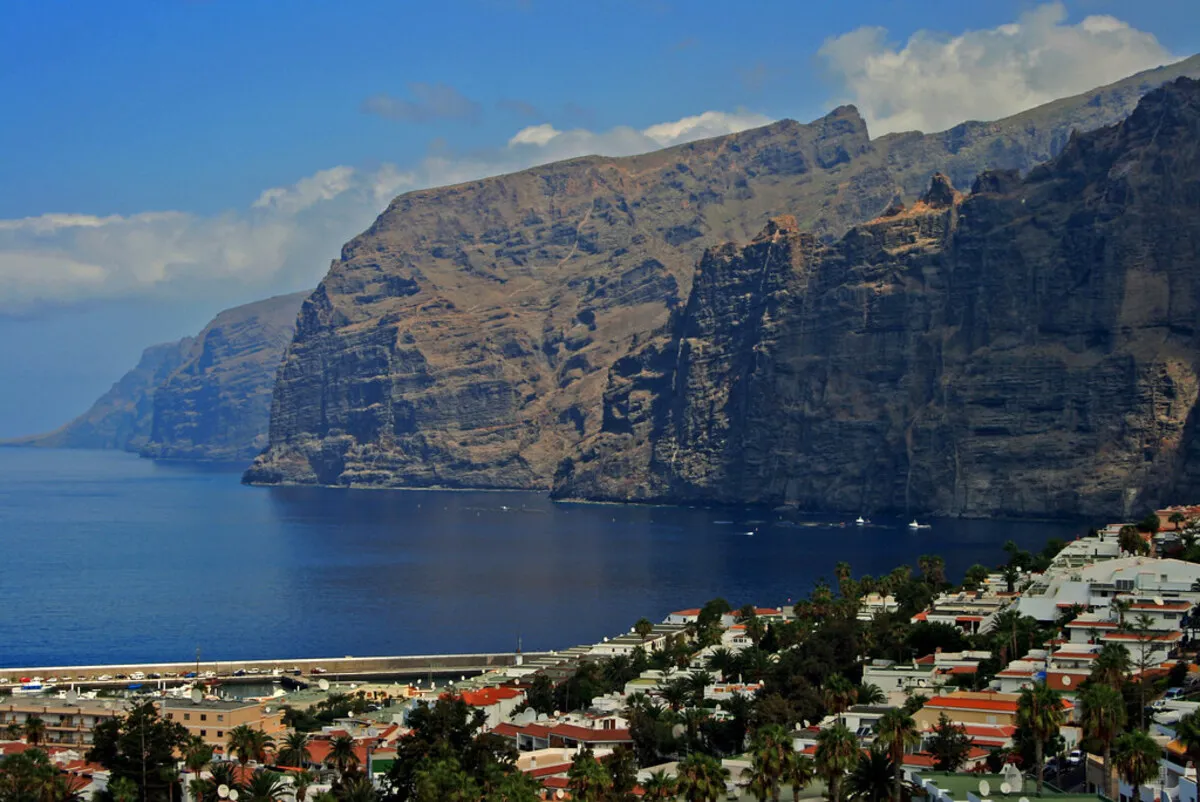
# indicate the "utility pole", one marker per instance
pixel 197 662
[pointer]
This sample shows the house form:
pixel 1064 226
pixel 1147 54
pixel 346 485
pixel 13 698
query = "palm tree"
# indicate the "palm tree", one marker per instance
pixel 1040 711
pixel 896 733
pixel 295 750
pixel 265 786
pixel 800 772
pixel 359 789
pixel 342 755
pixel 702 778
pixel 1112 665
pixel 196 755
pixel 14 731
pixel 723 661
pixel 201 790
pixel 1137 759
pixel 301 780
pixel 699 681
pixel 676 693
pixel 872 777
pixel 588 780
pixel 837 753
pixel 870 694
pixel 223 774
pixel 838 694
pixel 1103 717
pixel 123 789
pixel 249 744
pixel 659 786
pixel 35 730
pixel 771 750
pixel 1130 540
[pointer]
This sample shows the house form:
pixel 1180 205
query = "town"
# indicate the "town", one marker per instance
pixel 1068 673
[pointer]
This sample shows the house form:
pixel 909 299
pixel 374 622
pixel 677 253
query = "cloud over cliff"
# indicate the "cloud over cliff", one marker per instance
pixel 934 81
pixel 285 238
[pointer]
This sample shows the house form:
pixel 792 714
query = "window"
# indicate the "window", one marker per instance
pixel 171 716
pixel 220 734
pixel 220 716
pixel 204 716
pixel 203 733
pixel 187 716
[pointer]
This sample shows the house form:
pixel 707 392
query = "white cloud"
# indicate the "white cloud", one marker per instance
pixel 935 81
pixel 286 237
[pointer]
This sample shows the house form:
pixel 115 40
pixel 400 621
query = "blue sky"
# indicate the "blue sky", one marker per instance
pixel 210 152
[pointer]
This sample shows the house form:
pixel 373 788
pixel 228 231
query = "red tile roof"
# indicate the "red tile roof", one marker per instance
pixel 486 697
pixel 1166 605
pixel 1149 638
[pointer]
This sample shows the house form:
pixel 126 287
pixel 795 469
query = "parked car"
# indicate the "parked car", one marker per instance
pixel 190 675
pixel 319 670
pixel 1075 758
pixel 154 675
pixel 241 672
pixel 104 677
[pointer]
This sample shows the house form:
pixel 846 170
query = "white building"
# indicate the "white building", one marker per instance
pixel 1095 585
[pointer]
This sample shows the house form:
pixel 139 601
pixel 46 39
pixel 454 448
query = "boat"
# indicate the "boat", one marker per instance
pixel 859 521
pixel 914 525
pixel 31 688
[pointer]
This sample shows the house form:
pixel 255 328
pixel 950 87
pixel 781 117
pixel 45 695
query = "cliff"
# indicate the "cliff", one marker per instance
pixel 216 404
pixel 1029 350
pixel 201 398
pixel 468 337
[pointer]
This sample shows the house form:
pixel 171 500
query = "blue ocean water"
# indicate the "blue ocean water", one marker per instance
pixel 105 557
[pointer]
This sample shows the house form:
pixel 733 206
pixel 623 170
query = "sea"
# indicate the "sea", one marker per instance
pixel 106 558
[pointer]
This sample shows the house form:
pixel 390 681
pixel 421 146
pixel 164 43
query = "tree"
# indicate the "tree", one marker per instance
pixel 872 778
pixel 249 744
pixel 1130 541
pixel 676 693
pixel 643 628
pixel 1012 575
pixel 587 780
pixel 770 750
pixel 897 732
pixel 1187 732
pixel 800 772
pixel 1145 635
pixel 837 753
pixel 838 694
pixel 342 755
pixel 622 768
pixel 301 781
pixel 1136 759
pixel 28 776
pixel 1040 710
pixel 702 778
pixel 443 780
pixel 949 745
pixel 976 577
pixel 294 751
pixel 541 695
pixel 136 747
pixel 35 730
pixel 659 786
pixel 265 786
pixel 1111 665
pixel 870 694
pixel 358 789
pixel 1103 717
pixel 123 789
pixel 197 755
pixel 1150 524
pixel 1177 519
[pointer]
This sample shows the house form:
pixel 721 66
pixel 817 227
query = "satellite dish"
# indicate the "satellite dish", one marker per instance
pixel 323 684
pixel 222 790
pixel 72 696
pixel 1066 680
pixel 197 695
pixel 1023 799
pixel 1005 789
pixel 233 795
pixel 985 788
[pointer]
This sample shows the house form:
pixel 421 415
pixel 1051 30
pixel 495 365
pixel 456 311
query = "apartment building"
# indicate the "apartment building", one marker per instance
pixel 211 720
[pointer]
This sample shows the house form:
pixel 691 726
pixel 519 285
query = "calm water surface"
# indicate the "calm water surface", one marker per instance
pixel 105 557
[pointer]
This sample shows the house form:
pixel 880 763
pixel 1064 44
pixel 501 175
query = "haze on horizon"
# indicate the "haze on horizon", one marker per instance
pixel 174 159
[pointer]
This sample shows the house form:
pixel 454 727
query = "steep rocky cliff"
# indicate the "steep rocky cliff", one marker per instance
pixel 121 418
pixel 201 398
pixel 216 404
pixel 1030 350
pixel 466 338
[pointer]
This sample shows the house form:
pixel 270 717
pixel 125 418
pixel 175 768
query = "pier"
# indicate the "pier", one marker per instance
pixel 304 669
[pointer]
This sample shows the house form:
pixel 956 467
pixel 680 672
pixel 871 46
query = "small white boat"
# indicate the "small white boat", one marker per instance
pixel 914 524
pixel 31 689
pixel 859 521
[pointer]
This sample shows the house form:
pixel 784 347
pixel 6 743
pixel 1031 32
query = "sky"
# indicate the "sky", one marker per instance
pixel 163 160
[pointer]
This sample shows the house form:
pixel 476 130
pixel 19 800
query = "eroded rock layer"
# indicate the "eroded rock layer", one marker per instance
pixel 1029 350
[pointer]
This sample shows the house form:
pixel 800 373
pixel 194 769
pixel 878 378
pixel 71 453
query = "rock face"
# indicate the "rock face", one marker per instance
pixel 216 404
pixel 1030 350
pixel 466 339
pixel 202 398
